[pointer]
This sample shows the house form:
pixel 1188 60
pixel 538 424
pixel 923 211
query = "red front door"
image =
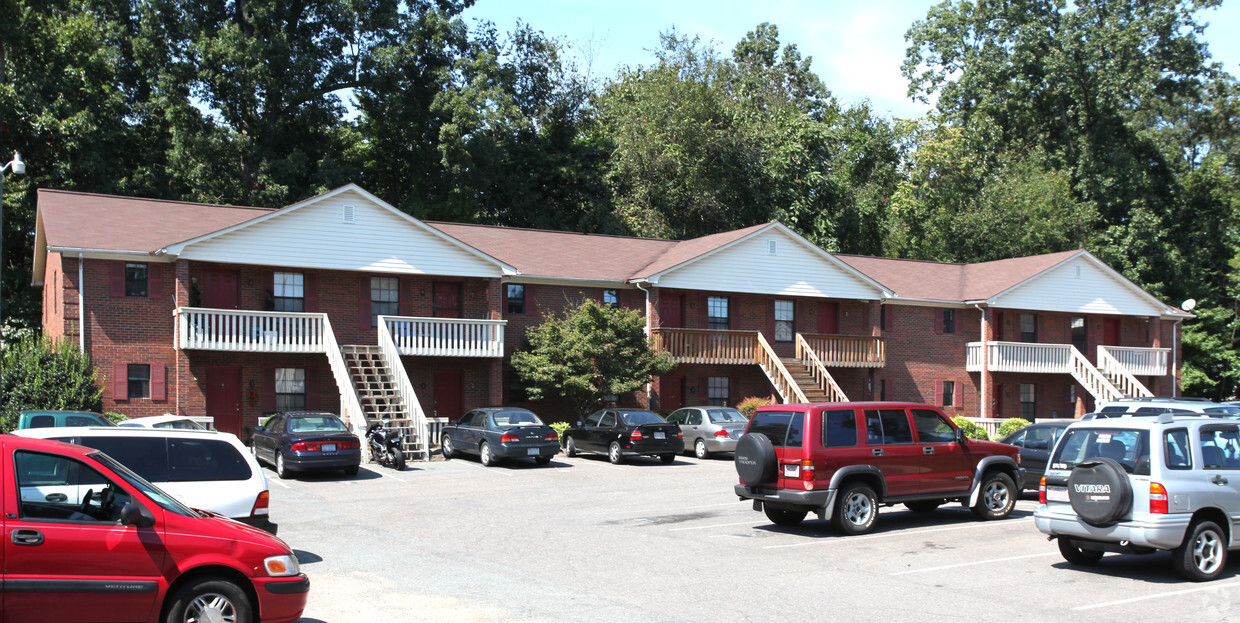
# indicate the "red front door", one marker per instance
pixel 223 396
pixel 448 392
pixel 1110 331
pixel 220 289
pixel 447 300
pixel 672 392
pixel 828 318
pixel 671 314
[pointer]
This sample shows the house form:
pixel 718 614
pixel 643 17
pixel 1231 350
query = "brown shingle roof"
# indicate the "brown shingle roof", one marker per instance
pixel 88 221
pixel 917 279
pixel 688 249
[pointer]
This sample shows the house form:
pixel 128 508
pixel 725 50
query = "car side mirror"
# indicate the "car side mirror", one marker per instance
pixel 259 429
pixel 961 438
pixel 136 515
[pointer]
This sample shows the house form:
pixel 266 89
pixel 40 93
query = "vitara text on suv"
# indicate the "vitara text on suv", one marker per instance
pixel 842 460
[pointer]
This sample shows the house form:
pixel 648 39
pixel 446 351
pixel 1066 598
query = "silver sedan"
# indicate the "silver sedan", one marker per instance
pixel 709 429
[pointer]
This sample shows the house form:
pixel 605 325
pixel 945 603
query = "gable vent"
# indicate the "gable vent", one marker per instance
pixel 772 247
pixel 348 214
pixel 1078 272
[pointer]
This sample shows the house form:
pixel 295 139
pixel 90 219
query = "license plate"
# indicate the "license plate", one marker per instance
pixel 792 471
pixel 660 435
pixel 1056 494
pixel 533 451
pixel 329 447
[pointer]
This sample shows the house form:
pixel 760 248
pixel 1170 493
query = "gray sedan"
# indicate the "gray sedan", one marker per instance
pixel 495 433
pixel 709 429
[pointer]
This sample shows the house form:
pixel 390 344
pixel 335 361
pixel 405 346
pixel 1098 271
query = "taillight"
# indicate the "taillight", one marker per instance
pixel 721 433
pixel 636 435
pixel 260 503
pixel 1158 499
pixel 301 446
pixel 680 434
pixel 807 469
pixel 509 438
pixel 317 446
pixel 351 444
pixel 1042 491
pixel 552 436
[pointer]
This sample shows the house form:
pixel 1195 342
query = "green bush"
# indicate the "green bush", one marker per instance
pixel 38 373
pixel 559 428
pixel 751 404
pixel 971 430
pixel 116 418
pixel 1010 426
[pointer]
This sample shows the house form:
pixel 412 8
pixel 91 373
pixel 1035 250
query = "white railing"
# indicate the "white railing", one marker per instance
pixel 350 406
pixel 1092 379
pixel 391 357
pixel 1021 357
pixel 1127 384
pixel 1138 361
pixel 447 337
pixel 824 379
pixel 249 331
pixel 777 373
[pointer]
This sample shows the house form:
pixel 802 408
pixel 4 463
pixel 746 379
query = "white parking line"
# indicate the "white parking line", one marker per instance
pixel 1183 591
pixel 978 562
pixel 387 475
pixel 272 481
pixel 718 525
pixel 850 539
pixel 664 510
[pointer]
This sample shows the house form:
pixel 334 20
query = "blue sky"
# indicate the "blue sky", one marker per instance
pixel 857 47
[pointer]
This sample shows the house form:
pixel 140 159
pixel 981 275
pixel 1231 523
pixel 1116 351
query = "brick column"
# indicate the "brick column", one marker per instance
pixel 988 380
pixel 181 380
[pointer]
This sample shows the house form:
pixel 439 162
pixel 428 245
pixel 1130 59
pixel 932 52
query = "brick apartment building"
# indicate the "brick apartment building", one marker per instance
pixel 342 302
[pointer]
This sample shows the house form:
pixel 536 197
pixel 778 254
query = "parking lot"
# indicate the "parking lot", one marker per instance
pixel 584 540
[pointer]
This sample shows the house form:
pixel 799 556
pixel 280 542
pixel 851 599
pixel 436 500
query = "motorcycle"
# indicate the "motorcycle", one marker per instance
pixel 385 445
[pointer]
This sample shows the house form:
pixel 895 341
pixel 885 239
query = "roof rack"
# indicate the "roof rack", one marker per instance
pixel 1161 399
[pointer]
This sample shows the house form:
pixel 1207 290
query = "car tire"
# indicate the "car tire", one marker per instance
pixel 209 599
pixel 1077 556
pixel 542 460
pixel 1203 554
pixel 614 454
pixel 447 450
pixel 351 470
pixel 781 517
pixel 997 497
pixel 856 510
pixel 398 460
pixel 699 449
pixel 1108 475
pixel 754 459
pixel 667 459
pixel 485 456
pixel 924 506
pixel 570 447
pixel 282 470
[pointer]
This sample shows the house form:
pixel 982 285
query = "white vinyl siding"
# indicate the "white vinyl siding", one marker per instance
pixel 1095 291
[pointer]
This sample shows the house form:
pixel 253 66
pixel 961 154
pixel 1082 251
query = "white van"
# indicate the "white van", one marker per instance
pixel 206 470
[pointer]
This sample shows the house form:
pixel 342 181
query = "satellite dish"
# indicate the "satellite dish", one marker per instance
pixel 1188 305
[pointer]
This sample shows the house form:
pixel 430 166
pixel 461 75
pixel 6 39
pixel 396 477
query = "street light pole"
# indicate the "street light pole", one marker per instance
pixel 18 168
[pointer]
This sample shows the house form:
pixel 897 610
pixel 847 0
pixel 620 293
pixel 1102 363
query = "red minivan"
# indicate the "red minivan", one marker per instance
pixel 87 540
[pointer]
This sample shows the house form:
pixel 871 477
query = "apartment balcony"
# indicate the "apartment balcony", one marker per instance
pixel 1058 358
pixel 848 351
pixel 446 337
pixel 703 346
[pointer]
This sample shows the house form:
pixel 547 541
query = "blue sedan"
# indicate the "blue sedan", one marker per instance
pixel 495 433
pixel 306 440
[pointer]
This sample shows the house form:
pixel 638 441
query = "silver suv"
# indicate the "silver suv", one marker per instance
pixel 1137 485
pixel 1154 405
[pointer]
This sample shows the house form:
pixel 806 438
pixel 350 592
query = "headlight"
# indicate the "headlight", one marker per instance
pixel 280 566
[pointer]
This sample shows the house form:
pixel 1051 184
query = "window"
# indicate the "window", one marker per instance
pixel 384 298
pixel 62 489
pixel 717 313
pixel 289 290
pixel 139 380
pixel 840 430
pixel 611 298
pixel 948 398
pixel 1028 402
pixel 932 427
pixel 1028 327
pixel 949 321
pixel 135 279
pixel 694 418
pixel 609 420
pixel 1177 455
pixel 594 418
pixel 781 427
pixel 887 426
pixel 290 389
pixel 1220 447
pixel 717 391
pixel 516 298
pixel 785 327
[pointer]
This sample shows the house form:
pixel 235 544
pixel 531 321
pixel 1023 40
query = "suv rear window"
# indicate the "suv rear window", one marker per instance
pixel 783 428
pixel 1131 448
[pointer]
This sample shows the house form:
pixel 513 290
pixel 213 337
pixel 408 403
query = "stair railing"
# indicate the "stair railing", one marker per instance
pixel 391 358
pixel 818 371
pixel 1092 379
pixel 350 406
pixel 766 358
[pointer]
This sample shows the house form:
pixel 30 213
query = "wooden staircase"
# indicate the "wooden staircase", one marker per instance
pixel 801 375
pixel 379 396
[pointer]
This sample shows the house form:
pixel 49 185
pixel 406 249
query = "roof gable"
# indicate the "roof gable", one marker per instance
pixel 1083 284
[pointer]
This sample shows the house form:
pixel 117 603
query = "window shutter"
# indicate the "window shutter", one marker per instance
pixel 406 296
pixel 531 307
pixel 268 289
pixel 311 285
pixel 363 302
pixel 997 330
pixel 312 389
pixel 704 391
pixel 938 321
pixel 269 390
pixel 118 278
pixel 959 401
pixel 155 281
pixel 938 393
pixel 159 375
pixel 120 375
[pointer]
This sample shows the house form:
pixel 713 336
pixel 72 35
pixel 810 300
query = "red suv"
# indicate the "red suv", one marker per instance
pixel 86 539
pixel 842 460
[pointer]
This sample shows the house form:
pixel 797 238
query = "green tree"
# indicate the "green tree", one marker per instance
pixel 592 352
pixel 38 373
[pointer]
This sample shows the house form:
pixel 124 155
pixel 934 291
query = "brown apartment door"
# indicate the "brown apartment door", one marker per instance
pixel 1110 331
pixel 672 390
pixel 448 392
pixel 671 313
pixel 223 394
pixel 828 318
pixel 447 300
pixel 220 289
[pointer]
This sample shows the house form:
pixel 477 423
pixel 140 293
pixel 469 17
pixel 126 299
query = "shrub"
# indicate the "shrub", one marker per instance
pixel 559 428
pixel 1012 425
pixel 751 404
pixel 38 373
pixel 971 430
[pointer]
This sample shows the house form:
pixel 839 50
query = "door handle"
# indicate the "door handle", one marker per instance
pixel 927 450
pixel 1218 480
pixel 878 451
pixel 26 536
pixel 56 497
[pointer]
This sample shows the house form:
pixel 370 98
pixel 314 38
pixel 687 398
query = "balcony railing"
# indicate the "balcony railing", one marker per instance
pixel 446 337
pixel 1140 361
pixel 703 346
pixel 1057 358
pixel 848 351
pixel 249 331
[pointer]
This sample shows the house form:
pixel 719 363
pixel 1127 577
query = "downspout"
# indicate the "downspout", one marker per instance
pixel 646 310
pixel 81 305
pixel 1175 342
pixel 985 367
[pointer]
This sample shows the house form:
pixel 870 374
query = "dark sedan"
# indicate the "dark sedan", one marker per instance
pixel 306 440
pixel 620 432
pixel 495 433
pixel 1036 442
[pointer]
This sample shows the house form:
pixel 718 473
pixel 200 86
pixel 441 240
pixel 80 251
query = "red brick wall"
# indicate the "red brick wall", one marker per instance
pixel 918 357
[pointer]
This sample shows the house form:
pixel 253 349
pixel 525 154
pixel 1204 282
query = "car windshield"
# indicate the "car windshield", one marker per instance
pixel 723 416
pixel 1224 411
pixel 637 418
pixel 325 424
pixel 516 418
pixel 165 501
pixel 1131 448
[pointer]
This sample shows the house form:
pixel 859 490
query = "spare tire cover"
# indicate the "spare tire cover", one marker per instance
pixel 1100 491
pixel 755 459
